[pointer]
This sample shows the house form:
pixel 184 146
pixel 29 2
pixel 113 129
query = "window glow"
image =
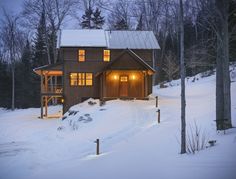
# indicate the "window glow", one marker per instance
pixel 106 55
pixel 73 79
pixel 81 55
pixel 89 79
pixel 123 78
pixel 81 79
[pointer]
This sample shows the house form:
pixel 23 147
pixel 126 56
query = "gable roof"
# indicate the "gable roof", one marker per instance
pixel 135 57
pixel 108 39
pixel 82 38
pixel 131 40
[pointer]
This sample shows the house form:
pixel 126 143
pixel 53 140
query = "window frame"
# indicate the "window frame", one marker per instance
pixel 105 55
pixel 81 79
pixel 78 55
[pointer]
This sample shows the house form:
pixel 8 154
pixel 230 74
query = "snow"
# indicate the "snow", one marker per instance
pixel 82 38
pixel 133 144
pixel 108 39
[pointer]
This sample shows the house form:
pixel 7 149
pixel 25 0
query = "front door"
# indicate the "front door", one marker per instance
pixel 124 86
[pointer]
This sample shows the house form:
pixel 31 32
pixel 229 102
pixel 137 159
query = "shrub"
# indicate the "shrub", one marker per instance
pixel 196 139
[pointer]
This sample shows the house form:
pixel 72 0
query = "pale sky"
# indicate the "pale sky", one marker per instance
pixel 13 6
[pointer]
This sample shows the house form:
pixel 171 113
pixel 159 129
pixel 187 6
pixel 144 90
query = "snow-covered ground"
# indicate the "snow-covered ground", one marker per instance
pixel 133 145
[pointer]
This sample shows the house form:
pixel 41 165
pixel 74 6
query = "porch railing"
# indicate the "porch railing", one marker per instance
pixel 57 89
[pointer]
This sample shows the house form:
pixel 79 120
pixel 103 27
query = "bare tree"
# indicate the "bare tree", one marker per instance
pixel 170 67
pixel 224 29
pixel 182 73
pixel 223 95
pixel 120 15
pixel 55 12
pixel 11 37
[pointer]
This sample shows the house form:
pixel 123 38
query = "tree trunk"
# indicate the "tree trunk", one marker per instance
pixel 182 71
pixel 223 96
pixel 13 87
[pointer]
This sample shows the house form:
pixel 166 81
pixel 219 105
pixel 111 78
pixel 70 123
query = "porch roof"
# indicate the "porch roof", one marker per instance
pixel 51 70
pixel 135 57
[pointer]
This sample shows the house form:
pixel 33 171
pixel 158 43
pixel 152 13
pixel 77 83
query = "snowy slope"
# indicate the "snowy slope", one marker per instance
pixel 133 145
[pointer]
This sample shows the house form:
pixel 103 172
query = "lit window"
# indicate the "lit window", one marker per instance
pixel 73 79
pixel 106 55
pixel 81 79
pixel 89 79
pixel 81 55
pixel 123 78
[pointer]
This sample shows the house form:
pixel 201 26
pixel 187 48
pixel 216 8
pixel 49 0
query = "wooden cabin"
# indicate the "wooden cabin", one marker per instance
pixel 99 64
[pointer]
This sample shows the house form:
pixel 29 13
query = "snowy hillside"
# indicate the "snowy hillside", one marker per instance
pixel 132 144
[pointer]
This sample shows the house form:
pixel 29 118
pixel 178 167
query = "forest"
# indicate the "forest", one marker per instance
pixel 28 39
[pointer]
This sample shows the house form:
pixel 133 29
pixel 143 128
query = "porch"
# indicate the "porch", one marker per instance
pixel 51 88
pixel 125 84
pixel 126 77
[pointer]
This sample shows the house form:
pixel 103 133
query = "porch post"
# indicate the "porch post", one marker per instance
pixel 41 107
pixel 146 84
pixel 41 90
pixel 46 106
pixel 104 91
pixel 101 87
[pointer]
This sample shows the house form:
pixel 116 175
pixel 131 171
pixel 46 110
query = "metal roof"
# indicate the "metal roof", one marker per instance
pixel 108 39
pixel 131 40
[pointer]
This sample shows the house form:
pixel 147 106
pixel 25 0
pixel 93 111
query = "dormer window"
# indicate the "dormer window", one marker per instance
pixel 81 55
pixel 106 55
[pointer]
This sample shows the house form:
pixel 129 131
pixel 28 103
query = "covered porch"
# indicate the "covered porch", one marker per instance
pixel 51 88
pixel 125 84
pixel 126 77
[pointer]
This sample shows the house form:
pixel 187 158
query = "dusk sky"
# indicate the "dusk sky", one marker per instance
pixel 11 5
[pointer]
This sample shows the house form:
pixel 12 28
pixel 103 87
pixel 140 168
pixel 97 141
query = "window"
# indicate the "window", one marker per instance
pixel 123 78
pixel 81 55
pixel 81 79
pixel 89 79
pixel 106 55
pixel 73 79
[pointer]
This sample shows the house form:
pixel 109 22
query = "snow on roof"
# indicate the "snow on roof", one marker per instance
pixel 108 39
pixel 82 38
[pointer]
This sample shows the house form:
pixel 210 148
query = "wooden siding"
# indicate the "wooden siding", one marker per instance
pixel 102 87
pixel 135 86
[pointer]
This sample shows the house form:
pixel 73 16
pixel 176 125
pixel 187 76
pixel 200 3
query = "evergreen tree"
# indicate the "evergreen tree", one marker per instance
pixel 97 19
pixel 40 49
pixel 27 87
pixel 87 19
pixel 121 25
pixel 5 85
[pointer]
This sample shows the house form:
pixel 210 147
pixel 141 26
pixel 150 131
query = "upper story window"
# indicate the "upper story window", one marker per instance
pixel 81 79
pixel 106 55
pixel 81 55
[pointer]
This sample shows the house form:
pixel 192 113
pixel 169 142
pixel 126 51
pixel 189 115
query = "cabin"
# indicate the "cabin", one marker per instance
pixel 99 64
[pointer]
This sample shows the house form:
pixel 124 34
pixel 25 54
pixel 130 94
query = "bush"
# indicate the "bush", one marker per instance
pixel 196 139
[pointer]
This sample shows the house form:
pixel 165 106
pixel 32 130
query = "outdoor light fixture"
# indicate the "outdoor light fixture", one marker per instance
pixel 62 100
pixel 133 77
pixel 115 77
